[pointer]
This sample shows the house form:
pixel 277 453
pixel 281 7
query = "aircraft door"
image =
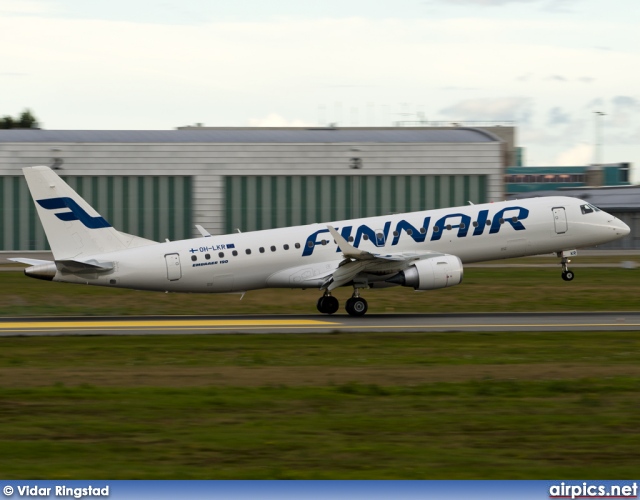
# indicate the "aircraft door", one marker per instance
pixel 560 220
pixel 174 271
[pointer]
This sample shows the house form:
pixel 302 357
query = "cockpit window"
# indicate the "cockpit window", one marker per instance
pixel 588 208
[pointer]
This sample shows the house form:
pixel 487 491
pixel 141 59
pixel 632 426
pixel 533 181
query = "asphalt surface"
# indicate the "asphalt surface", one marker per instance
pixel 272 324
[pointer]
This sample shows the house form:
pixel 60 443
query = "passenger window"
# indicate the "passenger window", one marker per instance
pixel 448 227
pixel 207 256
pixel 423 230
pixel 273 248
pixel 488 223
pixel 395 233
pixel 261 249
pixel 234 253
pixel 514 219
pixel 310 244
pixel 350 239
pixel 221 255
pixel 297 245
pixel 286 247
pixel 463 225
pixel 501 221
pixel 409 232
pixel 248 250
pixel 194 258
pixel 436 229
pixel 475 223
pixel 365 236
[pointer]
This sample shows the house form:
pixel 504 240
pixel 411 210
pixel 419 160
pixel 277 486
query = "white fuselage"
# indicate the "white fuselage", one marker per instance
pixel 296 257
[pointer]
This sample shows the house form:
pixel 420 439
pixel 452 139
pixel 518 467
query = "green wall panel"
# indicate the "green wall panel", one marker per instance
pixel 264 202
pixel 154 207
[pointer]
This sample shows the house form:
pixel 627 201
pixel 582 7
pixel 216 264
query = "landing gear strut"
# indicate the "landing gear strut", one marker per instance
pixel 566 274
pixel 328 304
pixel 356 305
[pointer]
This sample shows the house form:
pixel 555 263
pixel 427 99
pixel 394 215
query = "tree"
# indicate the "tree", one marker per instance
pixel 25 120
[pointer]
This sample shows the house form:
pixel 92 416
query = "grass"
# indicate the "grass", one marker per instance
pixel 483 290
pixel 411 406
pixel 342 406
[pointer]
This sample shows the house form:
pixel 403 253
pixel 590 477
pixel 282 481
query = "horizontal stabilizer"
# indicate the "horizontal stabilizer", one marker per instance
pixel 30 262
pixel 77 266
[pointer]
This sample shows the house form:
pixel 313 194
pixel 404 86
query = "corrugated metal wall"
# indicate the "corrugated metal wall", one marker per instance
pixel 264 202
pixel 154 207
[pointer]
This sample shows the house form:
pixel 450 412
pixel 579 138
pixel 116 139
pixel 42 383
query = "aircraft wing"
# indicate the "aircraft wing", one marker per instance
pixel 360 261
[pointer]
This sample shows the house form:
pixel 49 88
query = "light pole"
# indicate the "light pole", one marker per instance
pixel 599 115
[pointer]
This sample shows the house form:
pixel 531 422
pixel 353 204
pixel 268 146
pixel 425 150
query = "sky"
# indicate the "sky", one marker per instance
pixel 549 66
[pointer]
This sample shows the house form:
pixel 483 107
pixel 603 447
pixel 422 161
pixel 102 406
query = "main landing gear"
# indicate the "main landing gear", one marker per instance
pixel 355 306
pixel 328 304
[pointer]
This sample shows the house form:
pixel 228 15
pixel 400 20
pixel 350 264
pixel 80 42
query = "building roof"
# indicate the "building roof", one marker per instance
pixel 614 198
pixel 252 135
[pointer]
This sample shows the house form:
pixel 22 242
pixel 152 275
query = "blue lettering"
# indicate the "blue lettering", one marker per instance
pixel 450 221
pixel 417 235
pixel 371 235
pixel 312 241
pixel 482 221
pixel 463 226
pixel 523 213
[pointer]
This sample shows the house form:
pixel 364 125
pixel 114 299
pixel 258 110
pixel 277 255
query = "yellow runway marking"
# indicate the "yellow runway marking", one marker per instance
pixel 217 323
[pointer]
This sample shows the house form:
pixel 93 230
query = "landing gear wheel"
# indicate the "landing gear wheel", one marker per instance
pixel 328 304
pixel 567 275
pixel 356 306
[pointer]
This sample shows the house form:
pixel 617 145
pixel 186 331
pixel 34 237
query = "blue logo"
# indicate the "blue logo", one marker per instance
pixel 76 212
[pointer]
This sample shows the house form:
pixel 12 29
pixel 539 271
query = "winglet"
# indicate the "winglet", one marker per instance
pixel 347 249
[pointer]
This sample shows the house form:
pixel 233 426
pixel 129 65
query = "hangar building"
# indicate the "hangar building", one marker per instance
pixel 158 184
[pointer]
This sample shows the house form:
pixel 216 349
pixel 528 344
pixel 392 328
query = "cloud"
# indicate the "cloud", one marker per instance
pixel 557 78
pixel 598 102
pixel 22 7
pixel 625 102
pixel 580 154
pixel 498 109
pixel 558 117
pixel 525 78
pixel 275 120
pixel 623 110
pixel 486 3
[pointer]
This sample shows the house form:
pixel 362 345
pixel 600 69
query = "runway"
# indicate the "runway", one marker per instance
pixel 272 324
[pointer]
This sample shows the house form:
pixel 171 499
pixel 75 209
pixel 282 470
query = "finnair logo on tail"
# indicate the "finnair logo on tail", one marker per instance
pixel 76 213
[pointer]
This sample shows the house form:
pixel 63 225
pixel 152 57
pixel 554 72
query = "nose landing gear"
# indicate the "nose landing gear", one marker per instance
pixel 567 275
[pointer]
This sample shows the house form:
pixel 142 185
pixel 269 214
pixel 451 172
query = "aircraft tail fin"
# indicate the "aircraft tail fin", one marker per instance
pixel 74 229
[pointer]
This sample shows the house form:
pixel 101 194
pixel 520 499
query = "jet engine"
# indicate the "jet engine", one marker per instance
pixel 431 273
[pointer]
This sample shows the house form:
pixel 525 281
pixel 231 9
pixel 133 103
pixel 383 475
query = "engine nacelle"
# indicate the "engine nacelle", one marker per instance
pixel 432 273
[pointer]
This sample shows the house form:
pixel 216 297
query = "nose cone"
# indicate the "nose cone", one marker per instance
pixel 624 229
pixel 620 228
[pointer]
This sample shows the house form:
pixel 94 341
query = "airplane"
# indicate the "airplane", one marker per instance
pixel 423 250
